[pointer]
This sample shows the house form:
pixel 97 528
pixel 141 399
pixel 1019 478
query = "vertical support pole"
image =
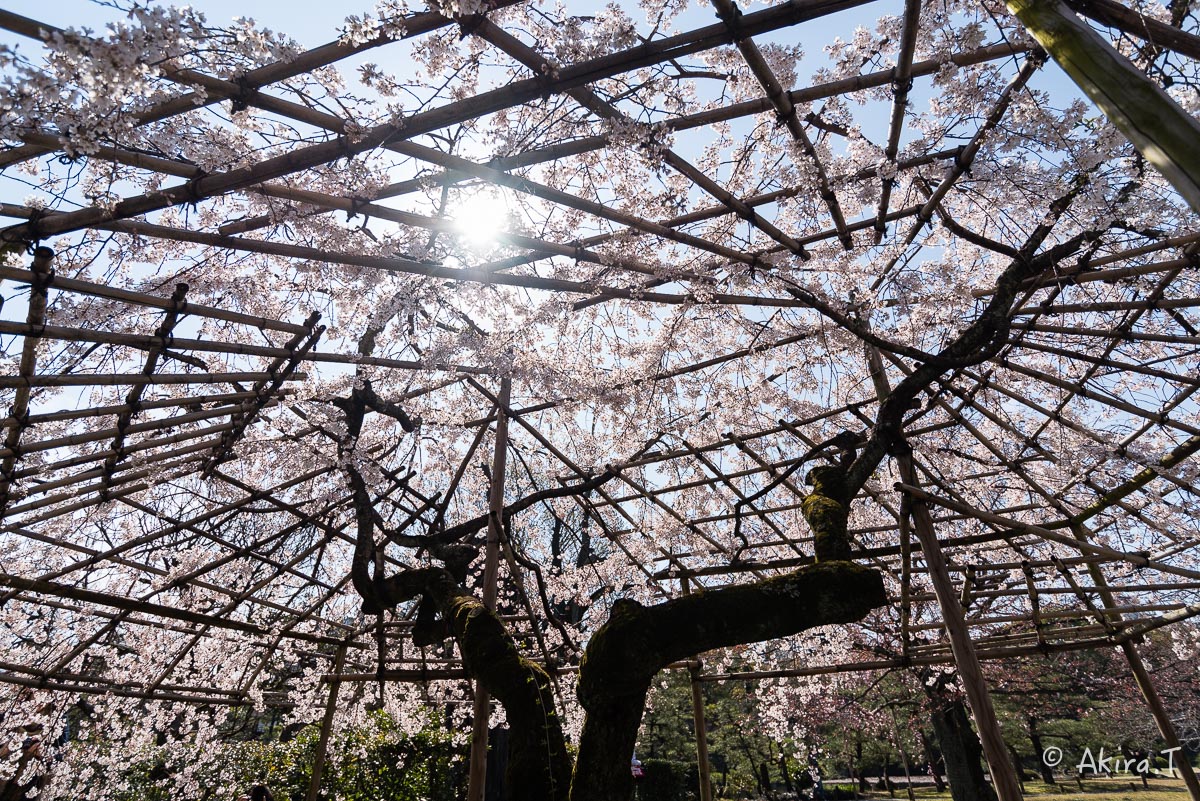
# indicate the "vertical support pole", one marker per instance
pixel 1140 675
pixel 701 733
pixel 314 782
pixel 1153 122
pixel 965 658
pixel 481 710
pixel 1165 727
pixel 705 771
pixel 903 754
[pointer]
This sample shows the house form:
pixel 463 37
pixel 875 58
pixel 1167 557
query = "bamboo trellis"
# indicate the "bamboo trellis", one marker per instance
pixel 152 411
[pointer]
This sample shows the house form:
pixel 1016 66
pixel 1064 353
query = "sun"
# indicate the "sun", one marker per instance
pixel 481 217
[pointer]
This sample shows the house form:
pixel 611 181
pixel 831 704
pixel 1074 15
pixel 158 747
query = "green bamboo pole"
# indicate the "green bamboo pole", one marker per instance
pixel 1158 127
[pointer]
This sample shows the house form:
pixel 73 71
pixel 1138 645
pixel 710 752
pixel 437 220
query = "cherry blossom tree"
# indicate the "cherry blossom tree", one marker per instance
pixel 671 270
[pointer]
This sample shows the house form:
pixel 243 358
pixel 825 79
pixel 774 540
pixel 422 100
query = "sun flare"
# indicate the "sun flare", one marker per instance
pixel 481 218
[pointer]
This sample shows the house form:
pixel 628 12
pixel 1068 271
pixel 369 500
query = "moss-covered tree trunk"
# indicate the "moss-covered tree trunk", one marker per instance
pixel 539 767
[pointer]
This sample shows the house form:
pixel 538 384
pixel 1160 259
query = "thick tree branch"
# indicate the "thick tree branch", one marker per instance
pixel 980 341
pixel 637 642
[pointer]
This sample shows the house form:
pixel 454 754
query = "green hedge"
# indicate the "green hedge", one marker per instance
pixel 667 780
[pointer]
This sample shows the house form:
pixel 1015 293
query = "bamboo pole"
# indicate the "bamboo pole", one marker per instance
pixel 174 528
pixel 289 67
pixel 965 159
pixel 409 266
pixel 577 471
pixel 487 102
pixel 142 299
pixel 481 711
pixel 134 396
pixel 278 371
pixel 112 409
pixel 785 111
pixel 1115 403
pixel 1141 304
pixel 40 275
pixel 702 762
pixel 903 754
pixel 1155 32
pixel 901 87
pixel 124 692
pixel 935 654
pixel 701 734
pixel 1162 132
pixel 42 587
pixel 71 440
pixel 1058 418
pixel 534 60
pixel 1136 559
pixel 1136 666
pixel 1113 364
pixel 1087 331
pixel 120 379
pixel 85 458
pixel 241 552
pixel 965 657
pixel 318 767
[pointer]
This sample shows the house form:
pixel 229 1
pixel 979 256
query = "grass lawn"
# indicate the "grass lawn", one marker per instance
pixel 1121 788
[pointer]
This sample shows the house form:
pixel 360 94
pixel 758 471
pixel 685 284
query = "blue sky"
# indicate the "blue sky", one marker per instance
pixel 316 24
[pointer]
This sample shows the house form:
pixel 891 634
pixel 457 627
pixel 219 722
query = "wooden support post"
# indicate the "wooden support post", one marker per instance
pixel 1162 132
pixel 1161 718
pixel 701 733
pixel 314 782
pixel 1167 729
pixel 965 658
pixel 481 711
pixel 903 754
pixel 702 764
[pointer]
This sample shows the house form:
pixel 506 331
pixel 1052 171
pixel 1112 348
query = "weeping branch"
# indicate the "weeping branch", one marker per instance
pixel 538 761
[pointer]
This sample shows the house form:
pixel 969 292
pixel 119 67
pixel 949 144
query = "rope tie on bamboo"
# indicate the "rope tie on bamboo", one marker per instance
pixel 32 225
pixel 22 419
pixel 755 264
pixel 43 273
pixel 732 17
pixel 469 24
pixel 241 100
pixel 178 303
pixel 192 188
pixel 356 204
